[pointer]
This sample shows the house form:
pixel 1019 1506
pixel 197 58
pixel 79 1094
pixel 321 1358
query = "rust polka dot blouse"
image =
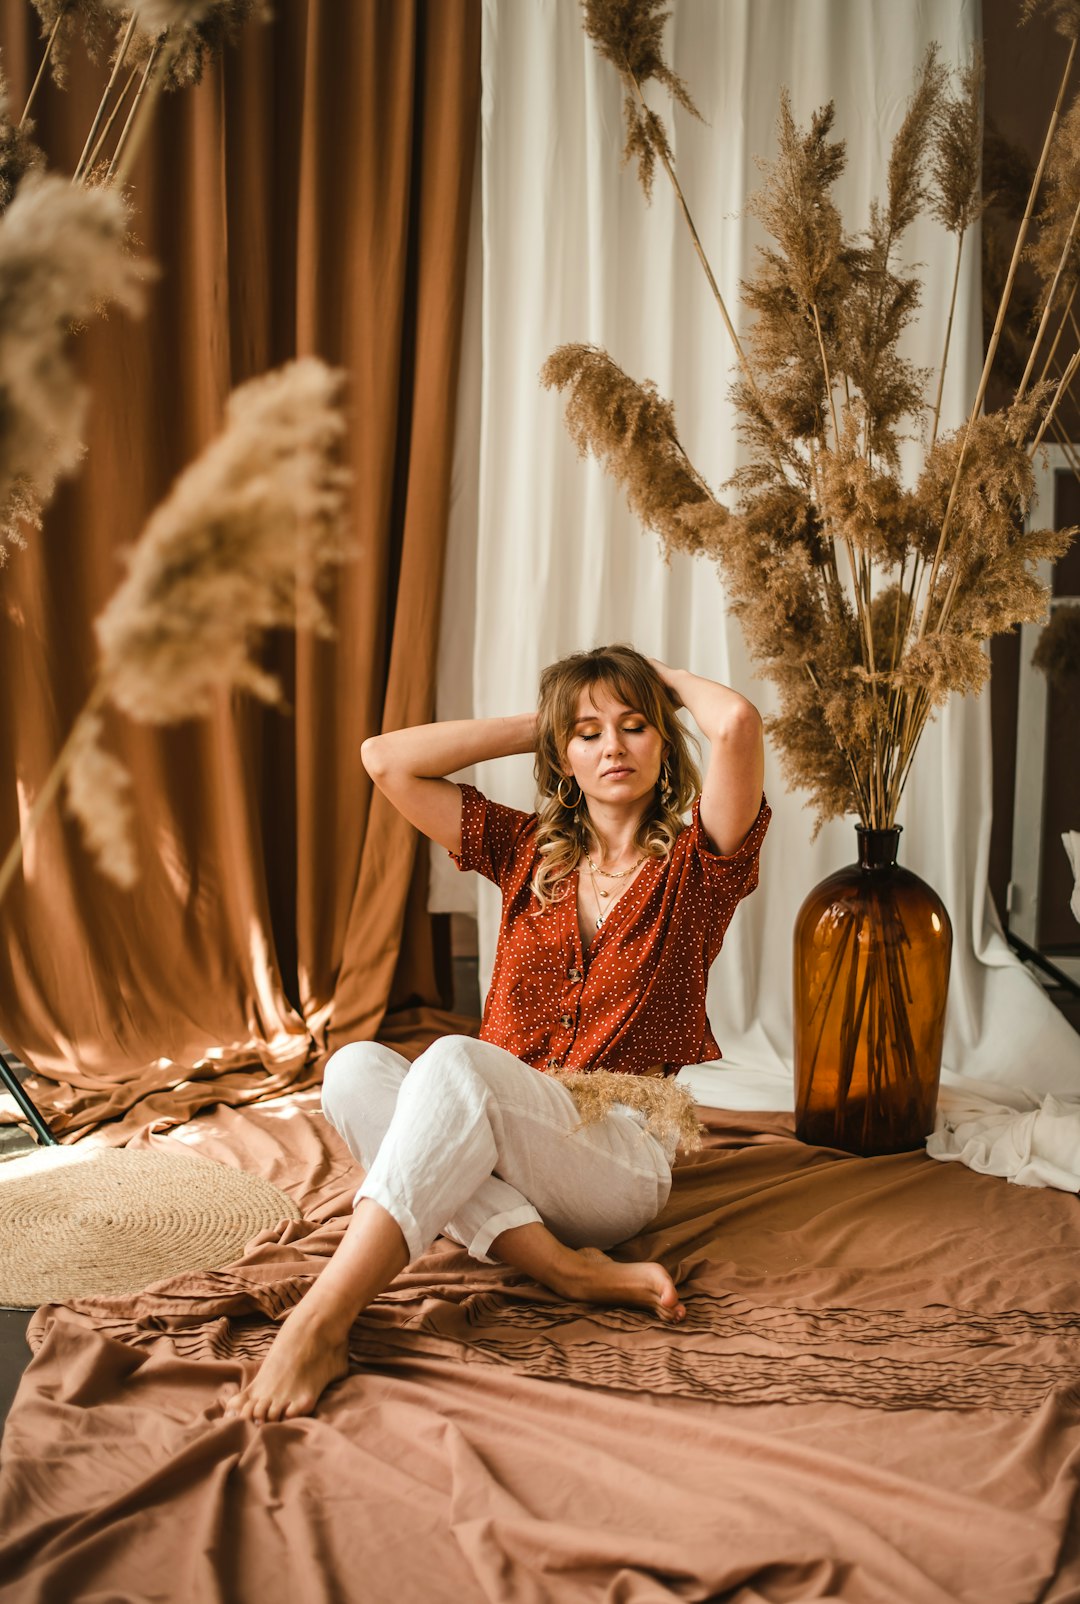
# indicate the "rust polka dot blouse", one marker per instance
pixel 637 998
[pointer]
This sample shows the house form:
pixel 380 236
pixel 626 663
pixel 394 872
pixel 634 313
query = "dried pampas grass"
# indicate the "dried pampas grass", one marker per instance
pixel 864 598
pixel 630 428
pixel 197 31
pixel 63 256
pixel 99 797
pixel 668 1108
pixel 18 153
pixel 63 21
pixel 244 543
pixel 629 34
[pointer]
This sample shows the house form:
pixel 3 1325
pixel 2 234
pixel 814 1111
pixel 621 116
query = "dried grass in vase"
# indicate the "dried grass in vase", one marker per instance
pixel 866 595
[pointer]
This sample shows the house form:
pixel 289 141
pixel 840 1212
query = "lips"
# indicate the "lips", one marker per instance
pixel 616 774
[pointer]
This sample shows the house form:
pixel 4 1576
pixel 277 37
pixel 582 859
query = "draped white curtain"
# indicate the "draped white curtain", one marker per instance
pixel 544 556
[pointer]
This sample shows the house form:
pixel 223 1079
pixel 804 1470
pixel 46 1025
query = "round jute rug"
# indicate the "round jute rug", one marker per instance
pixel 77 1222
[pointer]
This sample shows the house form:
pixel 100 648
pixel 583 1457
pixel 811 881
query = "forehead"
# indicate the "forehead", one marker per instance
pixel 599 701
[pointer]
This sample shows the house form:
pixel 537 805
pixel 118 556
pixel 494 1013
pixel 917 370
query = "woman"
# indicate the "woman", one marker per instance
pixel 612 914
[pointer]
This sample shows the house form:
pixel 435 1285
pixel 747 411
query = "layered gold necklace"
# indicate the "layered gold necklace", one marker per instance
pixel 608 874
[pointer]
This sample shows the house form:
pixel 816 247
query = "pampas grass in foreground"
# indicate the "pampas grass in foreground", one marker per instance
pixel 245 542
pixel 63 256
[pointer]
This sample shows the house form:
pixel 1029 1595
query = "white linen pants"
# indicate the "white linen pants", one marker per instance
pixel 469 1141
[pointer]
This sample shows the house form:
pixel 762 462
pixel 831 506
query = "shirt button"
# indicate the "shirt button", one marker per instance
pixel 574 974
pixel 553 1063
pixel 567 1019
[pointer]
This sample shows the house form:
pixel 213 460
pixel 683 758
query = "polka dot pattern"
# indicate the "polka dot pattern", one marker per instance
pixel 636 999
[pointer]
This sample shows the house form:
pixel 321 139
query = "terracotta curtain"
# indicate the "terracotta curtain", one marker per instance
pixel 310 196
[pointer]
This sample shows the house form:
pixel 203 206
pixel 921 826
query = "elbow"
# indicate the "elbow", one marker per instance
pixel 742 728
pixel 373 757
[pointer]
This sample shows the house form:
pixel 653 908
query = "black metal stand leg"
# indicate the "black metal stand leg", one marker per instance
pixel 14 1085
pixel 1031 955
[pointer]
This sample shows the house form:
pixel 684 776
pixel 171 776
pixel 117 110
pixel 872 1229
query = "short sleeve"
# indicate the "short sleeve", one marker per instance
pixel 490 834
pixel 737 874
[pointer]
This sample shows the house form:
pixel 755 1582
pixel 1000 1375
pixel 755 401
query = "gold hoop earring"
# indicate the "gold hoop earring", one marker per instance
pixel 566 801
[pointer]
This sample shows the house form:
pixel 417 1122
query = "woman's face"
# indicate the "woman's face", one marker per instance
pixel 613 754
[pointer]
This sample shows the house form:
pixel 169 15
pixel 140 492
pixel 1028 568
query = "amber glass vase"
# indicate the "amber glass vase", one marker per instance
pixel 872 950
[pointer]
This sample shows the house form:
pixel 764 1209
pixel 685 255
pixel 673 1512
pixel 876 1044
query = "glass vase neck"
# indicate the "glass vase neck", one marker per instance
pixel 878 848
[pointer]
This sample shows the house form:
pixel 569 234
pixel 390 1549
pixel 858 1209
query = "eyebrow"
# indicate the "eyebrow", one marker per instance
pixel 594 718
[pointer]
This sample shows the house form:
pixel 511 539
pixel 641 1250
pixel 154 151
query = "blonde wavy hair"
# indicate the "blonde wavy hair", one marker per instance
pixel 562 835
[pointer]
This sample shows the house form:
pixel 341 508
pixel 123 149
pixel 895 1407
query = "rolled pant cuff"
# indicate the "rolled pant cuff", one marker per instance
pixel 481 1242
pixel 403 1217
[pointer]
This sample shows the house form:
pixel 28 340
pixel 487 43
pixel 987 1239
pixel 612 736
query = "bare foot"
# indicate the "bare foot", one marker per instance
pixel 600 1279
pixel 304 1358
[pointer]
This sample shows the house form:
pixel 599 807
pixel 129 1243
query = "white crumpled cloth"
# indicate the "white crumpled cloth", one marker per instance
pixel 1036 1142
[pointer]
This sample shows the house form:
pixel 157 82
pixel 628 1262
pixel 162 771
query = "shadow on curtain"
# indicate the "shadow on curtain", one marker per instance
pixel 310 196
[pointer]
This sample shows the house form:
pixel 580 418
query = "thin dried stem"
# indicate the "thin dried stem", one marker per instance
pixel 107 130
pixel 83 161
pixel 1050 294
pixel 700 249
pixel 51 786
pixel 825 371
pixel 1059 394
pixel 134 130
pixel 948 338
pixel 1068 447
pixel 34 87
pixel 1052 353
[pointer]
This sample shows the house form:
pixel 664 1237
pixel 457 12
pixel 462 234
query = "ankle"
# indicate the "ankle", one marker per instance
pixel 326 1320
pixel 579 1272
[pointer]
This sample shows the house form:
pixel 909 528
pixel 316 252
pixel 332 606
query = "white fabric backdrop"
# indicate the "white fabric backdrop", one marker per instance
pixel 545 557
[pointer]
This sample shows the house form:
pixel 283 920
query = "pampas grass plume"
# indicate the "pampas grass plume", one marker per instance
pixel 99 797
pixel 197 31
pixel 63 256
pixel 629 34
pixel 630 428
pixel 242 544
pixel 93 20
pixel 18 153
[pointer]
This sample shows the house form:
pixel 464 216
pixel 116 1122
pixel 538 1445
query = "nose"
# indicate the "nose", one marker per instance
pixel 613 743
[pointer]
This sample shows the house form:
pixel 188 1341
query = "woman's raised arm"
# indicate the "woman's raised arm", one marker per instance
pixel 735 773
pixel 409 766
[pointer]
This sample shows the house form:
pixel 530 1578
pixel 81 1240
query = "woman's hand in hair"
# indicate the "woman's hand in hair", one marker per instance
pixel 668 676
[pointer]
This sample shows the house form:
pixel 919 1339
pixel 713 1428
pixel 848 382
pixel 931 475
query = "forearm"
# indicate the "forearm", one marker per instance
pixel 431 751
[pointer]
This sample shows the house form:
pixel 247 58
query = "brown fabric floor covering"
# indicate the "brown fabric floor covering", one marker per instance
pixel 875 1396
